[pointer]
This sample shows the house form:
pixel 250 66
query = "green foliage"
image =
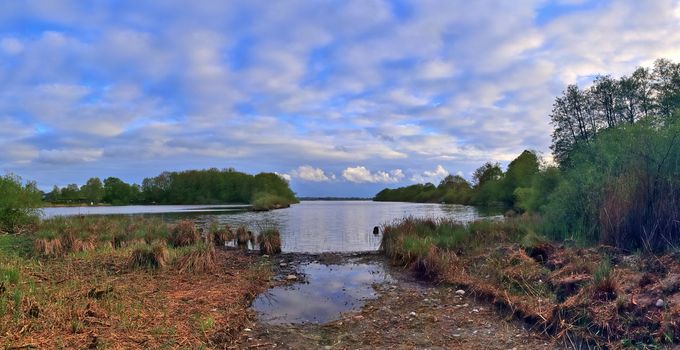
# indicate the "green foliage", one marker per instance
pixel 579 115
pixel 211 186
pixel 18 203
pixel 93 190
pixel 492 186
pixel 621 188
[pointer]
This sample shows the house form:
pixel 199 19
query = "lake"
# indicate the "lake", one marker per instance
pixel 307 227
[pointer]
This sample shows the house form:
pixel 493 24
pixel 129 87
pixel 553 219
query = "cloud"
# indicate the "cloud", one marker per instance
pixel 360 174
pixel 69 156
pixel 309 173
pixel 267 87
pixel 433 176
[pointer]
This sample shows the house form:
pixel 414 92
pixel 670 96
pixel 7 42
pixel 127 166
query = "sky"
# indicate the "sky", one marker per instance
pixel 343 98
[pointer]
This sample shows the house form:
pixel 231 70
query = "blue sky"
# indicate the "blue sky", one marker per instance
pixel 343 98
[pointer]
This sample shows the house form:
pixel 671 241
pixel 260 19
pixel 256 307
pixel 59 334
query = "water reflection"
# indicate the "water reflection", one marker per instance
pixel 330 290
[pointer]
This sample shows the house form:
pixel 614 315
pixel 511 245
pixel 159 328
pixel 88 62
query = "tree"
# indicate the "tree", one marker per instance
pixel 70 193
pixel 487 173
pixel 520 174
pixel 574 122
pixel 18 203
pixel 93 190
pixel 117 192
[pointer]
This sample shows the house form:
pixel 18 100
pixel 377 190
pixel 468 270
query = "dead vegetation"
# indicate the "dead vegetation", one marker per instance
pixel 84 291
pixel 270 241
pixel 597 296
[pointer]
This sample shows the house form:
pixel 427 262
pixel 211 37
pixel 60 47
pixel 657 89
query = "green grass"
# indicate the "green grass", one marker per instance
pixel 15 245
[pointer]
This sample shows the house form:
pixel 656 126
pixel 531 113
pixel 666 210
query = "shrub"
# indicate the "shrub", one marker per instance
pixel 18 204
pixel 267 201
pixel 184 233
pixel 152 256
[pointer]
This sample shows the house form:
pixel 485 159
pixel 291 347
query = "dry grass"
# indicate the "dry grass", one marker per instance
pixel 243 236
pixel 152 256
pixel 184 233
pixel 221 236
pixel 91 300
pixel 199 258
pixel 589 297
pixel 270 241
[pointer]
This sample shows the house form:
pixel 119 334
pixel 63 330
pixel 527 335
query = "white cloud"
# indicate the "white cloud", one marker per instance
pixel 309 173
pixel 433 176
pixel 360 174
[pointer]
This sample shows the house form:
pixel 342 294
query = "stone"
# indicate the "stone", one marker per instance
pixel 413 314
pixel 283 264
pixel 291 277
pixel 460 292
pixel 660 303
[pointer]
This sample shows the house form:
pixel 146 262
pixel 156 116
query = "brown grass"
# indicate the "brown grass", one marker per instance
pixel 270 241
pixel 243 236
pixel 200 258
pixel 184 233
pixel 221 236
pixel 153 256
pixel 49 248
pixel 136 309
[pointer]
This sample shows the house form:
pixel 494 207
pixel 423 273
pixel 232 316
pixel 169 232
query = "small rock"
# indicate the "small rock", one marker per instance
pixel 460 292
pixel 283 264
pixel 247 330
pixel 660 303
pixel 265 255
pixel 291 277
pixel 475 310
pixel 358 318
pixel 413 314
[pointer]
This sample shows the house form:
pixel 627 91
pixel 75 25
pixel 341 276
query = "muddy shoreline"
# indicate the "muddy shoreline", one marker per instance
pixel 405 314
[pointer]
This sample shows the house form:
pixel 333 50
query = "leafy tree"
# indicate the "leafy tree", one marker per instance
pixel 93 190
pixel 489 172
pixel 18 203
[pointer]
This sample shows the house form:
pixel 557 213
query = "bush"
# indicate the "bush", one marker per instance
pixel 18 204
pixel 621 189
pixel 266 201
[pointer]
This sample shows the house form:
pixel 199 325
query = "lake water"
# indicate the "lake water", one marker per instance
pixel 328 290
pixel 307 227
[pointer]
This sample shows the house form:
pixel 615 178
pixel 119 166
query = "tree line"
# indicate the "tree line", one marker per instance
pixel 616 176
pixel 210 186
pixel 490 186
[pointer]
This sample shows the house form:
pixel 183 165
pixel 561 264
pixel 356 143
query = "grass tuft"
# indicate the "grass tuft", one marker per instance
pixel 184 233
pixel 153 256
pixel 270 241
pixel 198 258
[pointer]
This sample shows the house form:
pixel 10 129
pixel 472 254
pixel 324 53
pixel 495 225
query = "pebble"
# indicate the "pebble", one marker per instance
pixel 291 277
pixel 475 310
pixel 460 292
pixel 247 330
pixel 660 303
pixel 413 314
pixel 265 256
pixel 283 264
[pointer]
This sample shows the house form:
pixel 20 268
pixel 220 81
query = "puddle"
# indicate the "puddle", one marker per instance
pixel 329 291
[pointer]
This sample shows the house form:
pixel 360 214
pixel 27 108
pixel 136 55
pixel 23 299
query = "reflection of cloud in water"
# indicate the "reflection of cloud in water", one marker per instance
pixel 330 291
